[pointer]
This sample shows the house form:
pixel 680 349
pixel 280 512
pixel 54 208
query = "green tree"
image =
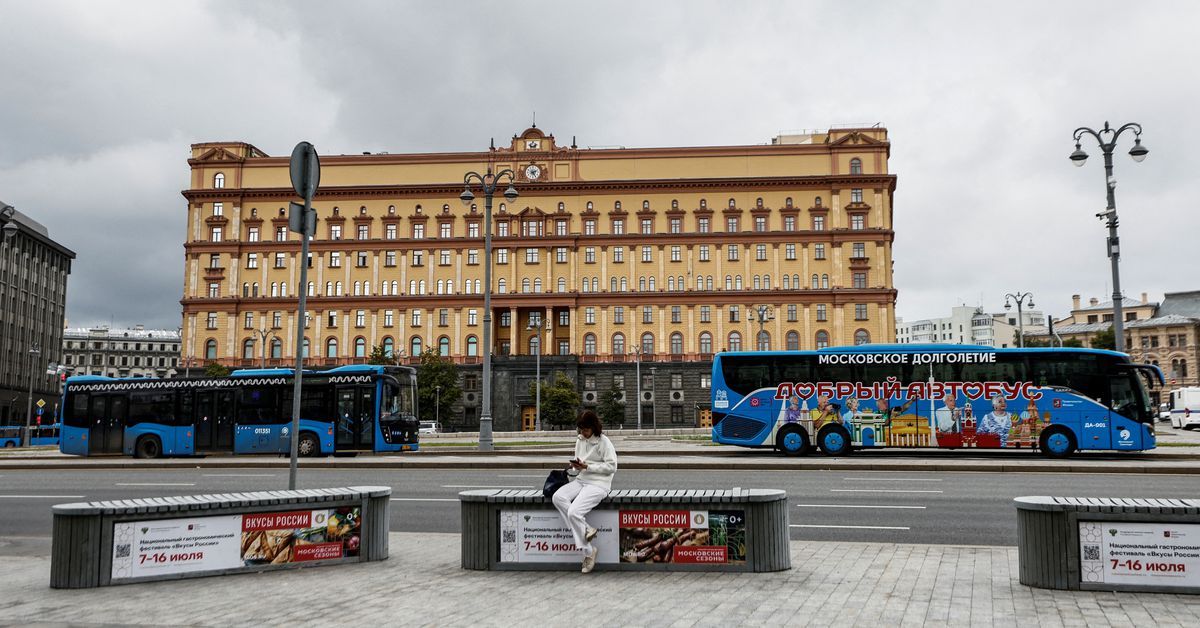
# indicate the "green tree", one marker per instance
pixel 560 401
pixel 434 371
pixel 1104 339
pixel 611 411
pixel 215 369
pixel 380 356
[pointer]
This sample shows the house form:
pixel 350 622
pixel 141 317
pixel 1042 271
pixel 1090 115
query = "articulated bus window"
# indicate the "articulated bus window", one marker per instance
pixel 745 374
pixel 77 411
pixel 151 406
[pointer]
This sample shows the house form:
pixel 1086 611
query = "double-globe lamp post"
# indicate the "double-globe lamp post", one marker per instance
pixel 1019 298
pixel 1107 138
pixel 487 184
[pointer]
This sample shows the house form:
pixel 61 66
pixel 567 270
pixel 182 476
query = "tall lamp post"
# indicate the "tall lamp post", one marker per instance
pixel 637 352
pixel 539 326
pixel 487 184
pixel 437 406
pixel 34 352
pixel 1107 138
pixel 764 315
pixel 263 334
pixel 1019 298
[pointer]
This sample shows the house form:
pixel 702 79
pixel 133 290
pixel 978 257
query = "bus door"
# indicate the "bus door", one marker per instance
pixel 214 420
pixel 355 422
pixel 107 431
pixel 1125 407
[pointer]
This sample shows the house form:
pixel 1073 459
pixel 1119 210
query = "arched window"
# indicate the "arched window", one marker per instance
pixel 383 289
pixel 708 283
pixel 793 341
pixel 443 346
pixel 586 286
pixel 219 180
pixel 679 282
pixel 414 346
pixel 612 284
pixel 641 284
pixel 699 282
pixel 824 282
pixel 735 341
pixel 472 346
pixel 245 290
pixel 358 288
pixel 624 284
pixel 449 286
pixel 705 342
pixel 796 282
pixel 562 284
pixel 276 349
pixel 525 285
pixel 670 284
pixel 360 347
pixel 304 346
pixel 395 288
pixel 766 282
pixel 210 349
pixel 283 288
pixel 248 349
pixel 764 341
pixel 862 337
pixel 757 283
pixel 389 346
pixel 822 339
pixel 816 282
pixel 331 348
pixel 647 343
pixel 617 206
pixel 676 343
pixel 729 282
pixel 441 287
pixel 420 286
pixel 652 286
pixel 732 203
pixel 589 344
pixel 787 282
pixel 537 284
pixel 534 349
pixel 337 288
pixel 856 166
pixel 412 286
pixel 328 289
pixel 502 286
pixel 618 344
pixel 737 282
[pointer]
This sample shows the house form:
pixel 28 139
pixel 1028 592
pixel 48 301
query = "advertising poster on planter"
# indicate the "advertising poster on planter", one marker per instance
pixel 199 544
pixel 1154 554
pixel 540 536
pixel 683 536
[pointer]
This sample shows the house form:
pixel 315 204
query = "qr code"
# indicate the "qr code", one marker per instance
pixel 508 536
pixel 1091 552
pixel 123 550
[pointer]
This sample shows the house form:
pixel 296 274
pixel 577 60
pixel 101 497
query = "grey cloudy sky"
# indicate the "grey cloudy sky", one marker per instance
pixel 99 102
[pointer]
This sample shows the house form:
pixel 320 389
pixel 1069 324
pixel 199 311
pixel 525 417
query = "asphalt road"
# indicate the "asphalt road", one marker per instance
pixel 896 507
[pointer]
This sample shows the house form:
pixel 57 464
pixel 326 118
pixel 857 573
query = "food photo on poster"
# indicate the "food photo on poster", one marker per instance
pixel 286 537
pixel 682 536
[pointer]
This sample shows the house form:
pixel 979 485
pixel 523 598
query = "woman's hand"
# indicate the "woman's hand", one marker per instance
pixel 578 464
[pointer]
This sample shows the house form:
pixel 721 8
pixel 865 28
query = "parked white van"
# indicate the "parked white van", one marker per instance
pixel 1185 408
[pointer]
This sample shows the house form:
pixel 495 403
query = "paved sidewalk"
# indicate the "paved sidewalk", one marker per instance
pixel 830 584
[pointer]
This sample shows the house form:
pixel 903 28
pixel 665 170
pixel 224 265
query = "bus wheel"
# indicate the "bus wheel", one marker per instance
pixel 308 446
pixel 1057 443
pixel 9 444
pixel 147 447
pixel 792 441
pixel 834 441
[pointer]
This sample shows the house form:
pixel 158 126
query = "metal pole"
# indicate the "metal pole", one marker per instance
pixel 638 370
pixel 1021 321
pixel 33 354
pixel 485 415
pixel 1114 250
pixel 537 385
pixel 437 406
pixel 298 376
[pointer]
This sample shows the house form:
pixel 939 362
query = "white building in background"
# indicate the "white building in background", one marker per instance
pixel 971 326
pixel 136 352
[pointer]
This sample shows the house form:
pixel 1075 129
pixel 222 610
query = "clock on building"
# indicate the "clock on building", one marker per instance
pixel 532 172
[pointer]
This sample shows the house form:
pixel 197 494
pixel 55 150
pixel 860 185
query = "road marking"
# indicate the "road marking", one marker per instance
pixel 239 475
pixel 798 525
pixel 480 486
pixel 41 496
pixel 891 479
pixel 858 506
pixel 424 499
pixel 878 490
pixel 155 484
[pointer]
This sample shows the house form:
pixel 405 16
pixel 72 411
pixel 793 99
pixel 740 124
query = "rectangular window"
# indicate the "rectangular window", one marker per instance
pixel 704 253
pixel 418 231
pixel 501 256
pixel 731 224
pixel 248 320
pixel 589 227
pixel 702 225
pixel 361 259
pixel 560 227
pixel 706 380
pixel 760 252
pixel 705 313
pixel 416 318
pixel 676 314
pixel 676 253
pixel 818 223
pixel 619 382
pixel 389 231
pixel 389 258
pixel 618 226
pixel 210 320
pixel 335 232
pixel 676 381
pixel 472 317
pixel 860 311
pixel 676 225
pixel 560 255
pixel 505 318
pixel 589 315
pixel 858 222
pixel 647 254
pixel 214 260
pixel 531 256
pixel 360 318
pixel 858 250
pixel 214 290
pixel 564 318
pixel 735 314
pixel 821 312
pixel 472 256
pixel 789 251
pixel 252 234
pixel 418 258
pixel 473 230
pixel 760 223
pixel 618 254
pixel 618 315
pixel 281 234
pixel 647 314
pixel 215 234
pixel 860 280
pixel 818 251
pixel 647 226
pixel 789 223
pixel 791 312
pixel 443 317
pixel 331 318
pixel 218 209
pixel 444 257
pixel 732 252
pixel 388 318
pixel 276 320
pixel 444 230
pixel 564 347
pixel 856 195
pixel 589 382
pixel 335 259
pixel 364 232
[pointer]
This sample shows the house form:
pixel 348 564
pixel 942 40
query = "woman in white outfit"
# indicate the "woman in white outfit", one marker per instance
pixel 594 464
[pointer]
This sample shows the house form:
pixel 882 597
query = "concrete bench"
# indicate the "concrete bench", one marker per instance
pixel 162 538
pixel 718 530
pixel 1108 544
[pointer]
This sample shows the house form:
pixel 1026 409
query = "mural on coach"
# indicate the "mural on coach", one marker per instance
pixel 972 414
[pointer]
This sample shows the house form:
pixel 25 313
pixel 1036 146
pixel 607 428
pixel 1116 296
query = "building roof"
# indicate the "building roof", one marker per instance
pixel 1181 304
pixel 1160 321
pixel 76 333
pixel 1077 328
pixel 1108 305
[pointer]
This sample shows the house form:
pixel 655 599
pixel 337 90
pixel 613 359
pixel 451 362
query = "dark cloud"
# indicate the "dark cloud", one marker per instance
pixel 980 100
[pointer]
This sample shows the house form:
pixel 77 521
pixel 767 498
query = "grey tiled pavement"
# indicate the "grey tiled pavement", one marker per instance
pixel 830 584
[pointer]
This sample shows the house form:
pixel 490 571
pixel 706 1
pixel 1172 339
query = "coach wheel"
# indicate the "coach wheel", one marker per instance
pixel 1057 443
pixel 834 441
pixel 308 445
pixel 792 441
pixel 9 444
pixel 147 447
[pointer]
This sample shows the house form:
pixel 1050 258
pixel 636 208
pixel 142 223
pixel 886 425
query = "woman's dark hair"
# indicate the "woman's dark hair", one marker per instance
pixel 590 420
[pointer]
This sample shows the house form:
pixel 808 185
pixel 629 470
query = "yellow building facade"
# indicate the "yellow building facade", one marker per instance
pixel 661 251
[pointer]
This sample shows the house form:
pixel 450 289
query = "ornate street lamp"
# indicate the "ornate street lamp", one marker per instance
pixel 1019 298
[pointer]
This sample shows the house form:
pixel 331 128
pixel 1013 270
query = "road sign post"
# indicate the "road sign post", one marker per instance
pixel 305 169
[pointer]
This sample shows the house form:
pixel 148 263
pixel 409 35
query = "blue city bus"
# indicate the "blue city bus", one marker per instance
pixel 359 408
pixel 39 435
pixel 1053 400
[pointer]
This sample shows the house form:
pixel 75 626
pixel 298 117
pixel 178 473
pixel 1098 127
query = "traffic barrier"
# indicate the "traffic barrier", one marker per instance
pixel 708 530
pixel 1109 544
pixel 98 544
